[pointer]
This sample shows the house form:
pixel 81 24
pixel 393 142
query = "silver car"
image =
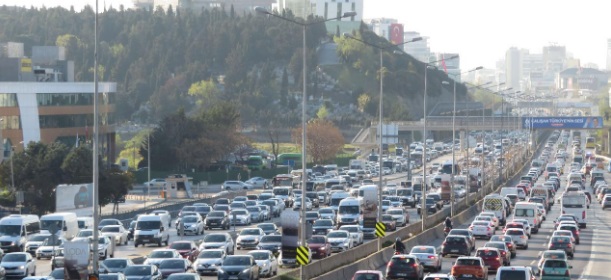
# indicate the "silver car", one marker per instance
pixel 220 240
pixel 428 256
pixel 519 237
pixel 209 261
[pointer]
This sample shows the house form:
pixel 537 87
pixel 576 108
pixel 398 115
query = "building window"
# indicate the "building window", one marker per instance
pixel 80 120
pixel 10 122
pixel 8 100
pixel 73 99
pixel 339 11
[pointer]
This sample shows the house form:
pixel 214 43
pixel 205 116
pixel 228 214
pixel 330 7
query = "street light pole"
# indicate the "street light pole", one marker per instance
pixel 381 144
pixel 96 131
pixel 148 168
pixel 12 172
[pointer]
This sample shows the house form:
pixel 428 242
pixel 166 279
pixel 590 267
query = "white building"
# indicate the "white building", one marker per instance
pixel 420 50
pixel 381 26
pixel 513 68
pixel 322 8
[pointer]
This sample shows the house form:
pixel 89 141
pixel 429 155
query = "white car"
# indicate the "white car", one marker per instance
pixel 209 261
pixel 355 232
pixel 542 210
pixel 340 240
pixel 386 204
pixel 192 225
pixel 249 238
pixel 526 224
pixel 19 264
pixel 398 214
pixel 84 235
pixel 109 222
pixel 495 219
pixel 106 247
pixel 157 182
pixel 268 265
pixel 34 241
pixel 239 217
pixel 49 248
pixel 327 213
pixel 486 219
pixel 236 185
pixel 258 182
pixel 519 237
pixel 156 256
pixel 482 229
pixel 166 218
pixel 116 233
pixel 297 203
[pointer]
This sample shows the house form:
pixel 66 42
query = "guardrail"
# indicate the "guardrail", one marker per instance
pixel 344 265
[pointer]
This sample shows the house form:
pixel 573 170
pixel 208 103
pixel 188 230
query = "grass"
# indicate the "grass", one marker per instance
pixel 292 148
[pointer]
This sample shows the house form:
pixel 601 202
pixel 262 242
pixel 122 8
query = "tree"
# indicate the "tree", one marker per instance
pixel 362 101
pixel 322 113
pixel 324 140
pixel 204 91
pixel 77 166
pixel 273 139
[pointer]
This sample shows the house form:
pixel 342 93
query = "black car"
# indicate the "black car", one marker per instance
pixel 313 196
pixel 562 243
pixel 239 267
pixel 437 198
pixel 130 230
pixel 430 205
pixel 404 267
pixel 322 227
pixel 203 210
pixel 455 245
pixel 467 234
pixel 217 219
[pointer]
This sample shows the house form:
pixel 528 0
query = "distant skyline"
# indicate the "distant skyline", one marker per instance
pixel 481 31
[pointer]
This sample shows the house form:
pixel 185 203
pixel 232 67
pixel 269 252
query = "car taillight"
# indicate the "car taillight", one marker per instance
pixel 577 232
pixel 431 257
pixel 563 212
pixel 498 259
pixel 566 273
pixel 415 265
pixel 471 227
pixel 509 245
pixel 569 245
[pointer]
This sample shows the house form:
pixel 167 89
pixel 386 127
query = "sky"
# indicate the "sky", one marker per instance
pixel 481 31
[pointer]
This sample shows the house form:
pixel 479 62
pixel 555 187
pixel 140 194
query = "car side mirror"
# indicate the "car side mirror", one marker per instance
pixel 254 264
pixel 161 229
pixel 570 267
pixel 65 229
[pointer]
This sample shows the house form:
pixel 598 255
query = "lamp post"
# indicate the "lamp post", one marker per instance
pixel 304 26
pixel 454 137
pixel 502 128
pixel 96 131
pixel 381 116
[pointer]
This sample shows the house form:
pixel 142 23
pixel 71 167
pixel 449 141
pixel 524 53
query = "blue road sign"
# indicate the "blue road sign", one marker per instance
pixel 562 122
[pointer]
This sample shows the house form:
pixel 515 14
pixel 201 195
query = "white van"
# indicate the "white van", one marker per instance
pixel 66 224
pixel 85 222
pixel 336 198
pixel 496 204
pixel 150 230
pixel 14 231
pixel 530 212
pixel 349 212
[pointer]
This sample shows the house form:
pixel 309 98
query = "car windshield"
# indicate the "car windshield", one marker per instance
pixel 553 255
pixel 137 270
pixel 387 218
pixel 337 234
pixel 253 209
pixel 210 254
pixel 250 232
pixel 188 208
pixel 514 232
pixel 498 245
pixel 402 261
pixel 316 240
pixel 38 237
pixel 481 224
pixel 325 211
pixel 350 229
pixel 189 219
pixel 85 233
pixel 455 240
pixel 486 253
pixel 214 238
pixel 260 255
pixel 236 260
pixel 161 254
pixel 172 263
pixel 323 223
pixel 107 222
pixel 271 238
pixel 148 225
pixel 110 229
pixel 14 258
pixel 468 262
pixel 366 276
pixel 52 242
pixel 12 230
pixel 560 239
pixel 115 263
pixel 216 214
pixel 180 246
pixel 395 212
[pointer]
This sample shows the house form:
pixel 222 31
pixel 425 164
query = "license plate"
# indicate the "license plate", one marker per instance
pixel 467 275
pixel 233 277
pixel 401 274
pixel 213 224
pixel 454 251
pixel 146 240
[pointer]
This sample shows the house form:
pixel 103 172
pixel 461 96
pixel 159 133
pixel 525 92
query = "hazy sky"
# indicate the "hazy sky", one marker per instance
pixel 479 30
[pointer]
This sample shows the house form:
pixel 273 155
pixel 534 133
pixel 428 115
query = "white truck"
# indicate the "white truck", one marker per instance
pixel 349 211
pixel 150 229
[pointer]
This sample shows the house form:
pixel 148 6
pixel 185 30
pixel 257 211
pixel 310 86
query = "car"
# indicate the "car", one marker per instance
pixel 203 210
pixel 208 261
pixel 258 182
pixel 268 228
pixel 112 276
pixel 556 270
pixel 355 232
pixel 484 229
pixel 400 216
pixel 265 212
pixel 340 240
pixel 403 267
pixel 143 271
pixel 368 275
pixel 511 245
pixel 168 267
pixel 255 213
pixel 34 241
pixel 236 185
pixel 562 243
pixel 327 213
pixel 240 217
pixel 456 245
pixel 573 228
pixel 319 246
pixel 429 257
pixel 191 225
pixel 221 240
pixel 297 203
pixel 502 247
pixel 271 243
pixel 566 233
pixel 519 236
pixel 515 272
pixel 491 257
pixel 156 256
pixel 115 265
pixel 495 220
pixel 57 273
pixel 249 238
pixel 187 249
pixel 525 225
pixel 18 264
pixel 323 226
pixel 116 233
pixel 467 234
pixel 470 267
pixel 50 247
pixel 242 266
pixel 268 265
pixel 563 219
pixel 183 276
pixel 551 254
pixel 217 219
pixel 109 222
pixel 106 247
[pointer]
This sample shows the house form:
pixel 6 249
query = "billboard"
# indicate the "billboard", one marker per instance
pixel 70 197
pixel 396 33
pixel 76 260
pixel 290 235
pixel 562 122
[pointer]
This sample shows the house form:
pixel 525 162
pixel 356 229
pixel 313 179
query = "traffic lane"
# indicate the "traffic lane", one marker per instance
pixel 599 224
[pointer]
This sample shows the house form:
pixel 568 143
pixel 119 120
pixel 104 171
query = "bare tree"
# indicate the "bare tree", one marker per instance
pixel 324 140
pixel 273 139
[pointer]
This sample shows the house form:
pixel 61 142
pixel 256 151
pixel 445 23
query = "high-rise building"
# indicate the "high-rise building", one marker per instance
pixel 381 26
pixel 239 6
pixel 420 50
pixel 554 58
pixel 609 54
pixel 513 68
pixel 452 66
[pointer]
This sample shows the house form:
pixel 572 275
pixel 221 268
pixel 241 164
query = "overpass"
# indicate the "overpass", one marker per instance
pixel 462 123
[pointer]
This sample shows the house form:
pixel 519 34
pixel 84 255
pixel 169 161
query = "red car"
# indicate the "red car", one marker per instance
pixel 187 249
pixel 525 187
pixel 320 246
pixel 491 256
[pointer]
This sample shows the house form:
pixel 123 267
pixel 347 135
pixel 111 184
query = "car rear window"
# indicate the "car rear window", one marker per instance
pixel 468 262
pixel 455 240
pixel 366 276
pixel 402 261
pixel 486 253
pixel 555 264
pixel 512 275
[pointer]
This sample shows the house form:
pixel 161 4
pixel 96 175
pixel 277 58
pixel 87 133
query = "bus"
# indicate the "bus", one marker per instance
pixel 257 163
pixel 575 203
pixel 590 142
pixel 292 159
pixel 283 180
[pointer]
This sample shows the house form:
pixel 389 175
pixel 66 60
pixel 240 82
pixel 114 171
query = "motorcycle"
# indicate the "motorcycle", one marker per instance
pixel 446 231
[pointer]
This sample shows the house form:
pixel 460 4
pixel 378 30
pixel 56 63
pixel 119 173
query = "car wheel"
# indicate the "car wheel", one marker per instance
pixel 38 257
pixel 34 272
pixel 159 243
pixel 136 244
pixel 125 243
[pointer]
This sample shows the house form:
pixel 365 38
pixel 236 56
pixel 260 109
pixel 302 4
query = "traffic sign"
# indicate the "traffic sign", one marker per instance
pixel 303 255
pixel 380 229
